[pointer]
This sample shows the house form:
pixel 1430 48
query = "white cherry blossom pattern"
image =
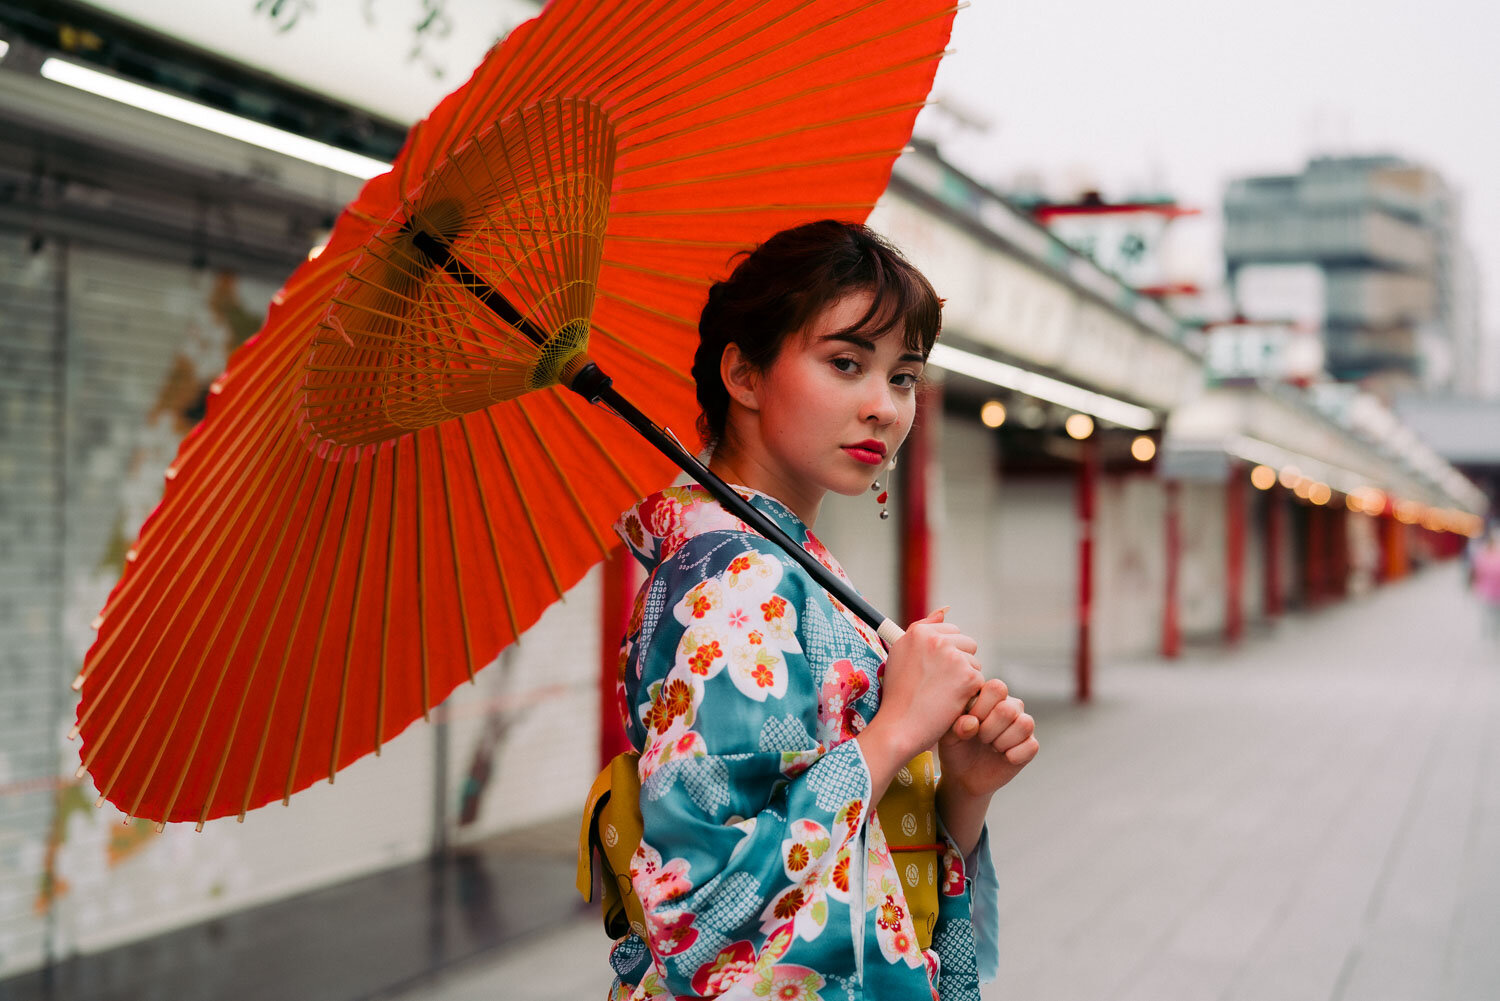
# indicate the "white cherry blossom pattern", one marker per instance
pixel 805 852
pixel 675 743
pixel 817 863
pixel 804 905
pixel 671 703
pixel 885 897
pixel 737 620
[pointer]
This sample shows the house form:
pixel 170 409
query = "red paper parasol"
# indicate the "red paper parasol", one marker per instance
pixel 389 486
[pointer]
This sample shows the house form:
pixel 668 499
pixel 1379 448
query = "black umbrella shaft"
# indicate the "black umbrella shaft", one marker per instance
pixel 741 508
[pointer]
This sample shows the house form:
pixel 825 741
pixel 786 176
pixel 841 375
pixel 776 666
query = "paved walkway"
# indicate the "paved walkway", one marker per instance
pixel 1315 815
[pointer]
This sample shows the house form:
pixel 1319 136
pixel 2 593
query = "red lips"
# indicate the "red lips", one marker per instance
pixel 869 451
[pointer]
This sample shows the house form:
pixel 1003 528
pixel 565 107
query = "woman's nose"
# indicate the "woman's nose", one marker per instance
pixel 880 405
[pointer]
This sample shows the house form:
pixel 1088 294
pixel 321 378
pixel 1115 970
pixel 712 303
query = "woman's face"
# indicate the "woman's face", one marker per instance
pixel 832 407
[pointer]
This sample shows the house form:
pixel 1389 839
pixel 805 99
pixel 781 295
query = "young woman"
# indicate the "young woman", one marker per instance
pixel 769 719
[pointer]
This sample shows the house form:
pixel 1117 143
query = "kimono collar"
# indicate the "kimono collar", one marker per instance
pixel 662 522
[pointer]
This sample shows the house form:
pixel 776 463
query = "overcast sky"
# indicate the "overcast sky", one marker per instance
pixel 1183 95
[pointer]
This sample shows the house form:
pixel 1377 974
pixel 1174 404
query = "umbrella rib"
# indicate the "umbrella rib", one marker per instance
pixel 224 670
pixel 645 355
pixel 395 259
pixel 510 167
pixel 777 168
pixel 510 611
pixel 803 67
pixel 299 608
pixel 317 647
pixel 509 269
pixel 668 241
pixel 385 618
pixel 673 276
pixel 513 224
pixel 254 663
pixel 582 150
pixel 673 317
pixel 359 585
pixel 723 210
pixel 766 137
pixel 567 404
pixel 551 195
pixel 460 118
pixel 458 576
pixel 593 76
pixel 643 82
pixel 394 318
pixel 247 440
pixel 213 696
pixel 165 677
pixel 425 270
pixel 567 485
pixel 426 691
pixel 389 339
pixel 264 446
pixel 525 503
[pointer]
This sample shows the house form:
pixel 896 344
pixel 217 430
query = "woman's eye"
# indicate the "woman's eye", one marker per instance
pixel 905 380
pixel 845 364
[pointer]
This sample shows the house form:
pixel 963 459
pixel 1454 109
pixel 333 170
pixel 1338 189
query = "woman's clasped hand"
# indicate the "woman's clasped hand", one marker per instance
pixel 935 693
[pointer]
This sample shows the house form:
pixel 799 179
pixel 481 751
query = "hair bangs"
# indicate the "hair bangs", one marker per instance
pixel 901 296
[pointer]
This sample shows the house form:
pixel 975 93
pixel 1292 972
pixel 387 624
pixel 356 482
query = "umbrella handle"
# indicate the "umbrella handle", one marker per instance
pixel 596 387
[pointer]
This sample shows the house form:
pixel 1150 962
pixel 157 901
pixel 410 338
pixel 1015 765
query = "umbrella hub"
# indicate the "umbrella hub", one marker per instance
pixel 480 288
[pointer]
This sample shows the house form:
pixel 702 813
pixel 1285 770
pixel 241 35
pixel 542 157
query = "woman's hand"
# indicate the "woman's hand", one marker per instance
pixel 930 675
pixel 984 749
pixel 989 744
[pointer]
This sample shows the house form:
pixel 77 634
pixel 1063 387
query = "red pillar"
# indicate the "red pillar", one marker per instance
pixel 1338 552
pixel 1392 544
pixel 1234 554
pixel 1275 527
pixel 1171 622
pixel 918 462
pixel 1083 657
pixel 622 579
pixel 1315 566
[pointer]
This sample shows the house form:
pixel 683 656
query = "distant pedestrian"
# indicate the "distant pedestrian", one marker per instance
pixel 1486 577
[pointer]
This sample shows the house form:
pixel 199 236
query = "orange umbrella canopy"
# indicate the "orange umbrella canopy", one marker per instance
pixel 341 543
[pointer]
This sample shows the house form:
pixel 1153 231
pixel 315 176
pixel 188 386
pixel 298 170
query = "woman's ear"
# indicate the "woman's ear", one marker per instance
pixel 740 376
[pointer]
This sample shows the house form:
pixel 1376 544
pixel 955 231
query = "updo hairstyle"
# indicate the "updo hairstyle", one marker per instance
pixel 779 288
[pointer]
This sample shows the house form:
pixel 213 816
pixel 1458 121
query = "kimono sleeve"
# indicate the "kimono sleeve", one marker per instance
pixel 967 932
pixel 748 819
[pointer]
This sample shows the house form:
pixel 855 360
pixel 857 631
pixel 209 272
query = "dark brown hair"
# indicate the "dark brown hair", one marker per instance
pixel 779 287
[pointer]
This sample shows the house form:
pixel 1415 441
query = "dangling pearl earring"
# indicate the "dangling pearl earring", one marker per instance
pixel 883 494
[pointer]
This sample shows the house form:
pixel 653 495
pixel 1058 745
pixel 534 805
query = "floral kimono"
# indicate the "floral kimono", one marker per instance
pixel 762 871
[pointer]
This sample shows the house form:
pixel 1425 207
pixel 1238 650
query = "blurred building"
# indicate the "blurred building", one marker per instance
pixel 1373 247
